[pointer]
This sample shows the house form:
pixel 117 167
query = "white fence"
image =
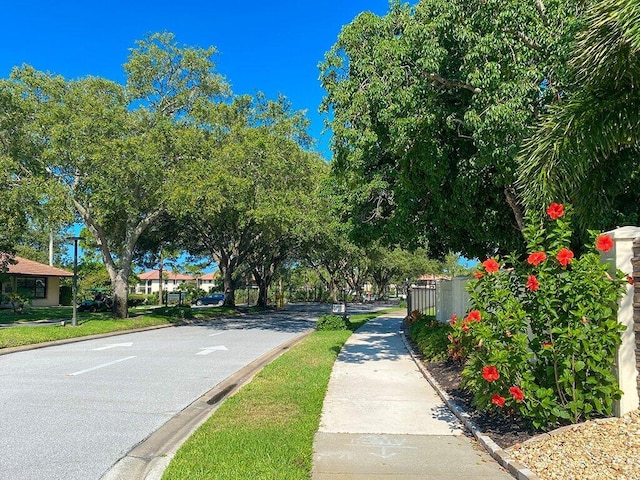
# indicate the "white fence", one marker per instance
pixel 619 257
pixel 442 298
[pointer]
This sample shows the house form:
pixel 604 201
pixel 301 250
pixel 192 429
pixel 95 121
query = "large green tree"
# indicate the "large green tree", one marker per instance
pixel 110 148
pixel 241 202
pixel 26 199
pixel 585 151
pixel 429 105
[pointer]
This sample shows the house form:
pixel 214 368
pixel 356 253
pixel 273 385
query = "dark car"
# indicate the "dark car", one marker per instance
pixel 211 299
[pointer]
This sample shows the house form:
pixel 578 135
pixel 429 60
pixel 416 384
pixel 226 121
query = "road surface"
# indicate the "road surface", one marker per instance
pixel 71 411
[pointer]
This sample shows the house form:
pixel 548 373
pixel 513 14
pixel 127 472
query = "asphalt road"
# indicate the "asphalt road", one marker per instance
pixel 71 411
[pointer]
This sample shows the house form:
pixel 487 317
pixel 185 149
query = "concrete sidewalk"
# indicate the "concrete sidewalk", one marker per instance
pixel 381 419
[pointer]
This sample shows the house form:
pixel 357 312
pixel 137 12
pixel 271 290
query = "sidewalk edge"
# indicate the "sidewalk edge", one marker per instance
pixel 516 469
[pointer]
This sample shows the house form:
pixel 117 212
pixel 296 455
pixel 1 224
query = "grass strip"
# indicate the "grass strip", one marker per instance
pixel 92 323
pixel 266 430
pixel 18 336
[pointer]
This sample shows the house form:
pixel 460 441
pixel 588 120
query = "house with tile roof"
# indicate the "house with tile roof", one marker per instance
pixel 36 281
pixel 150 281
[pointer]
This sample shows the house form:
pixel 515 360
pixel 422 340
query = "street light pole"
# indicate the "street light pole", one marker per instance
pixel 74 319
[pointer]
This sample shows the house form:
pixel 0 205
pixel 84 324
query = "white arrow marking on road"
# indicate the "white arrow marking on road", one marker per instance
pixel 216 334
pixel 208 350
pixel 99 366
pixel 113 345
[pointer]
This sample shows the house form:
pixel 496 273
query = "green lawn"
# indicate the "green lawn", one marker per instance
pixel 88 323
pixel 266 430
pixel 32 314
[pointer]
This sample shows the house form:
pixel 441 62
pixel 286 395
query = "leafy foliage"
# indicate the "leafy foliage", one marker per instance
pixel 244 199
pixel 429 105
pixel 543 333
pixel 585 149
pixel 333 322
pixel 106 150
pixel 431 337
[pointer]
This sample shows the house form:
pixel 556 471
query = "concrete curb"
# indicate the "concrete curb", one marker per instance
pixel 516 469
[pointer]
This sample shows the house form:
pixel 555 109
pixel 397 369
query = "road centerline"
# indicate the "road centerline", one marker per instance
pixel 100 366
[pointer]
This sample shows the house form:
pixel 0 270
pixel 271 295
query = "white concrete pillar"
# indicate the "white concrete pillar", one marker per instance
pixel 452 297
pixel 619 258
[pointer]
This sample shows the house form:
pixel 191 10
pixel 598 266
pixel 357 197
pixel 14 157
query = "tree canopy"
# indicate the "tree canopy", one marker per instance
pixel 244 200
pixel 585 149
pixel 108 149
pixel 429 106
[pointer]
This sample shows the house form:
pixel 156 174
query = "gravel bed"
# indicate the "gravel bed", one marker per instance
pixel 602 449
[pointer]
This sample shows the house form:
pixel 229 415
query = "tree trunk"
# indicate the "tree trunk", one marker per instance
pixel 512 201
pixel 229 290
pixel 263 292
pixel 160 280
pixel 120 295
pixel 263 279
pixel 226 267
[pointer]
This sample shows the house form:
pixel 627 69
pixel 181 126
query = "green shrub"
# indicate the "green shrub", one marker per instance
pixel 431 337
pixel 137 299
pixel 66 295
pixel 542 335
pixel 333 322
pixel 176 311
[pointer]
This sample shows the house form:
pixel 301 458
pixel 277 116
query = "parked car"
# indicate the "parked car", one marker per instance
pixel 211 299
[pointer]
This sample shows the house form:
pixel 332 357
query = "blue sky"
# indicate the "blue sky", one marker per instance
pixel 273 47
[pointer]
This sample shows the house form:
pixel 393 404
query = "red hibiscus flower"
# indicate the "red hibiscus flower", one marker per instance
pixel 604 243
pixel 564 256
pixel 490 265
pixel 465 326
pixel 536 258
pixel 555 210
pixel 474 316
pixel 454 319
pixel 532 283
pixel 497 400
pixel 516 393
pixel 479 275
pixel 490 373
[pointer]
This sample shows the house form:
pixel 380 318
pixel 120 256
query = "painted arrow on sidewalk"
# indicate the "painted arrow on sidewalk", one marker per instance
pixel 208 350
pixel 113 345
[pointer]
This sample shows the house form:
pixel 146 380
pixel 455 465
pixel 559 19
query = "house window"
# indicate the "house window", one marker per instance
pixel 32 287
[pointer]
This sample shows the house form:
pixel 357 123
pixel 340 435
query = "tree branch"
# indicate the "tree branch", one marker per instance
pixel 515 207
pixel 452 83
pixel 529 42
pixel 542 10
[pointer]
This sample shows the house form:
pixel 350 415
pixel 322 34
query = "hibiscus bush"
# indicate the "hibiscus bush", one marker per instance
pixel 542 334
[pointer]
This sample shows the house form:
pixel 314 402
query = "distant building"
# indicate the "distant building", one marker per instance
pixel 430 279
pixel 36 281
pixel 150 281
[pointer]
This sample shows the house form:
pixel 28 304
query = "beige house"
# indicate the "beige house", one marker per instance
pixel 150 281
pixel 36 281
